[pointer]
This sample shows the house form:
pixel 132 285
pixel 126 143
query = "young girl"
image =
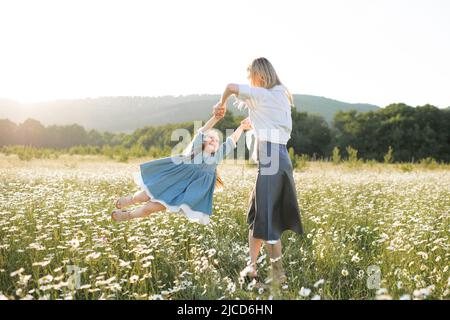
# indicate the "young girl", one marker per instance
pixel 273 206
pixel 183 183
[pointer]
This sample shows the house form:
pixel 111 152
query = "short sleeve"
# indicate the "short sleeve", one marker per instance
pixel 224 149
pixel 250 96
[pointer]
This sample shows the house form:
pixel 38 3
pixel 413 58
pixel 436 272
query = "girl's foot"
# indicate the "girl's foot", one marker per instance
pixel 119 215
pixel 123 202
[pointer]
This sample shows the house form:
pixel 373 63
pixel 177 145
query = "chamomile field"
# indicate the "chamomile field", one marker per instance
pixel 372 232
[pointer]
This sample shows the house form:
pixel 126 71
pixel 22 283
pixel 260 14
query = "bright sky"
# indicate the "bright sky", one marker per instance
pixel 379 52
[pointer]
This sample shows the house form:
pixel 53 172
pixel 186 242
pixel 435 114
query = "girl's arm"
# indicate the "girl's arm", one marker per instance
pixel 212 122
pixel 196 144
pixel 231 141
pixel 237 134
pixel 244 126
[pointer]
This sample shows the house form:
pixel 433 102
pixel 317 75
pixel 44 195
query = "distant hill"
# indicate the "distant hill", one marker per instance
pixel 326 107
pixel 125 114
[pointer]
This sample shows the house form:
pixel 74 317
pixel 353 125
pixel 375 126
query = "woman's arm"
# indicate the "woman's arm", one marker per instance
pixel 221 107
pixel 229 90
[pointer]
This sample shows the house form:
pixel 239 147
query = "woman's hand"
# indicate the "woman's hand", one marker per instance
pixel 246 124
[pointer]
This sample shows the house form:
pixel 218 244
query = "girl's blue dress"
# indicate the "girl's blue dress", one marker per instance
pixel 184 183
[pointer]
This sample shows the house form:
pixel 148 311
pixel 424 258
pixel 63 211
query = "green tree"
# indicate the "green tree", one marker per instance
pixel 31 133
pixel 310 135
pixel 7 132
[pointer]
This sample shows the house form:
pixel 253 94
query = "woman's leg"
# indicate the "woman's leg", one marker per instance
pixel 254 246
pixel 274 250
pixel 275 253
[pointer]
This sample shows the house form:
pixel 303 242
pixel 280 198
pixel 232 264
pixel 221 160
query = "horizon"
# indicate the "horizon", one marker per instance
pixel 357 51
pixel 22 103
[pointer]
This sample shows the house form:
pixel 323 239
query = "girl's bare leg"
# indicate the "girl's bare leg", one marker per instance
pixel 138 197
pixel 141 212
pixel 146 210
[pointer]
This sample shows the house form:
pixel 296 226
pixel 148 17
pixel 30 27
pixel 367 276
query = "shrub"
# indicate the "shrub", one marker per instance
pixel 389 156
pixel 302 162
pixel 336 158
pixel 406 167
pixel 293 157
pixel 428 163
pixel 352 154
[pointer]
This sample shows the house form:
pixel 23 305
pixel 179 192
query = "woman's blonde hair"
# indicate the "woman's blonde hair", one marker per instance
pixel 264 69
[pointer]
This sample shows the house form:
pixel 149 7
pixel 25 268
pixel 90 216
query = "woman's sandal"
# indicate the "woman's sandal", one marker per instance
pixel 259 282
pixel 119 215
pixel 278 274
pixel 253 277
pixel 257 278
pixel 119 203
pixel 281 278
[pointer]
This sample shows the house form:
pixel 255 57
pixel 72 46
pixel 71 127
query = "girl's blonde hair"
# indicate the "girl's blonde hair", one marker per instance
pixel 264 69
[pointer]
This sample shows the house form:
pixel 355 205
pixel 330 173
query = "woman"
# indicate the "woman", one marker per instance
pixel 273 206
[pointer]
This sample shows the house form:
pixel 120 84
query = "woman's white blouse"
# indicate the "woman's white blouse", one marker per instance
pixel 269 111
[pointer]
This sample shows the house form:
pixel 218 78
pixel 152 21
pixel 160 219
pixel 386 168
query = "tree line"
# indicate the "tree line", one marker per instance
pixel 406 133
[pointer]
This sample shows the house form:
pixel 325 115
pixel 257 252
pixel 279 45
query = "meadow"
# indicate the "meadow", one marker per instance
pixel 363 222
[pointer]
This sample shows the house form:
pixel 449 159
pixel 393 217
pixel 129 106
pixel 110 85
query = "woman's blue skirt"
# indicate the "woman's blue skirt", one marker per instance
pixel 273 205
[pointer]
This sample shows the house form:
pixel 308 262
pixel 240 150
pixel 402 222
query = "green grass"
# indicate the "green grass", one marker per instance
pixel 55 213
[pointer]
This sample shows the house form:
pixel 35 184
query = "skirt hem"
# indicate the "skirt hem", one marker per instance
pixel 299 232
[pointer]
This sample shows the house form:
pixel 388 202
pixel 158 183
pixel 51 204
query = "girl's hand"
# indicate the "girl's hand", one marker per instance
pixel 219 107
pixel 246 124
pixel 219 113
